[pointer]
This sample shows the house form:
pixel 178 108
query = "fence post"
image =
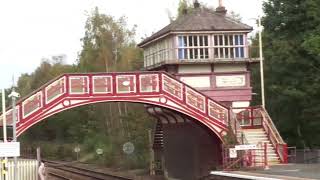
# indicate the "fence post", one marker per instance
pixel 250 158
pixel 38 161
pixel 266 167
pixel 285 153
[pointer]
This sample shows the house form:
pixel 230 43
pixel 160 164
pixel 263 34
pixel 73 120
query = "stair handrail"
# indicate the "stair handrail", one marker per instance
pixel 266 118
pixel 274 136
pixel 235 126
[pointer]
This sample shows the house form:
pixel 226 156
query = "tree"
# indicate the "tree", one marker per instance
pixel 108 45
pixel 292 60
pixel 105 38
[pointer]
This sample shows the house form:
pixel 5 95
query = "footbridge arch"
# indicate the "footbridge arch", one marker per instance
pixel 155 88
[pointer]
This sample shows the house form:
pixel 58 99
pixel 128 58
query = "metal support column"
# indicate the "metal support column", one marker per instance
pixel 261 63
pixel 14 95
pixel 4 126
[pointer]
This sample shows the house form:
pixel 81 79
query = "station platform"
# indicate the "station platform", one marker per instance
pixel 277 172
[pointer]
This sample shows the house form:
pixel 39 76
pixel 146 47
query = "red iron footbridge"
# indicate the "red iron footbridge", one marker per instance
pixel 155 88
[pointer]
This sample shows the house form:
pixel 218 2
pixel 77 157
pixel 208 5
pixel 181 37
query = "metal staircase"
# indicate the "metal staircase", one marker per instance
pixel 259 137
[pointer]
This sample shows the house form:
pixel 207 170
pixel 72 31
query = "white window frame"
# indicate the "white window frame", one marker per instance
pixel 222 47
pixel 192 49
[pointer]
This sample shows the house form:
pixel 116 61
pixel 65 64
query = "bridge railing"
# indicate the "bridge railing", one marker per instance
pixel 194 99
pixel 237 129
pixel 119 86
pixel 274 136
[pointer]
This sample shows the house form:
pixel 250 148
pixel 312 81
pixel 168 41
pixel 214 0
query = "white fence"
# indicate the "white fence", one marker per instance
pixel 27 169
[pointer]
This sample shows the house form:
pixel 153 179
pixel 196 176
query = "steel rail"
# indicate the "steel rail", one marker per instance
pixel 89 173
pixel 58 175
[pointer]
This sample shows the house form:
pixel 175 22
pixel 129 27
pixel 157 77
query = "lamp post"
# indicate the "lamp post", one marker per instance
pixel 14 95
pixel 4 118
pixel 4 126
pixel 261 62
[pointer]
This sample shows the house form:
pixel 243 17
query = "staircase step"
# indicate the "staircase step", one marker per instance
pixel 263 132
pixel 255 129
pixel 255 135
pixel 261 158
pixel 259 137
pixel 271 154
pixel 269 160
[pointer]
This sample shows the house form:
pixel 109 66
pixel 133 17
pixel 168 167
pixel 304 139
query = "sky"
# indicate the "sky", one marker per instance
pixel 35 29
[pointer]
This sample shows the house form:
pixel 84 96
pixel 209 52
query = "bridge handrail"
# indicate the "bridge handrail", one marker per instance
pixel 227 109
pixel 100 73
pixel 183 83
pixel 236 127
pixel 210 107
pixel 267 119
pixel 274 136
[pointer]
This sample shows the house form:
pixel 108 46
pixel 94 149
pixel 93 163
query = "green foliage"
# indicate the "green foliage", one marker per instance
pixel 107 45
pixel 184 5
pixel 291 41
pixel 8 100
pixel 188 6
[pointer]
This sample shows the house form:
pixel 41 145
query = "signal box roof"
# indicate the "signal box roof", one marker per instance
pixel 199 20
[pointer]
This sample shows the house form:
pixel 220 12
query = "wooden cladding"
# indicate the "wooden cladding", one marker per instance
pixel 197 47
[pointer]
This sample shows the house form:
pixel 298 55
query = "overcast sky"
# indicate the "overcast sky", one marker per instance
pixel 35 29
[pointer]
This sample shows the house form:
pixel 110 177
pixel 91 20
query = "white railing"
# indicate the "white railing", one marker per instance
pixel 27 169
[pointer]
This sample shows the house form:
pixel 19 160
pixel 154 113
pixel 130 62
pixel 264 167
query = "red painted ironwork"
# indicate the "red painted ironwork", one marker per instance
pixel 274 137
pixel 244 159
pixel 265 152
pixel 249 117
pixel 258 157
pixel 156 88
pixel 253 117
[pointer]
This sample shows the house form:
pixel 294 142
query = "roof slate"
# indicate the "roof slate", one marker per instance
pixel 199 19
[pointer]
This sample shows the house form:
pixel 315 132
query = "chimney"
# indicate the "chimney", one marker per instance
pixel 221 9
pixel 196 4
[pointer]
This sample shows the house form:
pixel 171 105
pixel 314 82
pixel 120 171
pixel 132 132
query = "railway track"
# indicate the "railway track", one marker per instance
pixel 58 170
pixel 53 175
